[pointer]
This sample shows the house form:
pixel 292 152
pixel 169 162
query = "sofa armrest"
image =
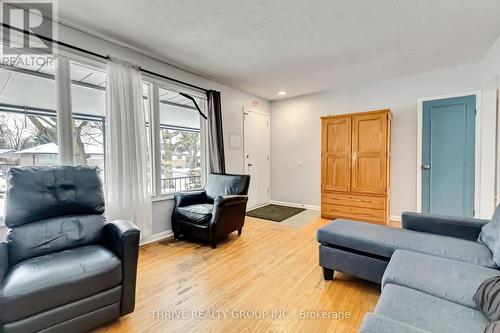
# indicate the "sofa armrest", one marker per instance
pixel 122 237
pixel 459 227
pixel 189 198
pixel 4 260
pixel 229 200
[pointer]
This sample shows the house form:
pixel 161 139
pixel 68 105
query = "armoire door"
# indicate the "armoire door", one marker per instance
pixel 336 151
pixel 369 153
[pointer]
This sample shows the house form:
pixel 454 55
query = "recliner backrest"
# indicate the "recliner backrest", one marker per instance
pixel 226 184
pixel 50 209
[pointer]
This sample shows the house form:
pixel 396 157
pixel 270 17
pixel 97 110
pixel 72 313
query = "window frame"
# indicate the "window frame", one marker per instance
pixel 64 115
pixel 155 132
pixel 68 105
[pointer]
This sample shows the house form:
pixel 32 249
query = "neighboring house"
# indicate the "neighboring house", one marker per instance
pixel 47 154
pixel 7 155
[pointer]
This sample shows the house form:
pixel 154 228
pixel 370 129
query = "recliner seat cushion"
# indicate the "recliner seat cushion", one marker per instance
pixel 59 278
pixel 36 193
pixel 427 312
pixel 198 214
pixel 383 241
pixel 490 235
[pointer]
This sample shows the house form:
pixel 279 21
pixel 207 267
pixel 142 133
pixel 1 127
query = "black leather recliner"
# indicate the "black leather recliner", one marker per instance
pixel 62 268
pixel 213 213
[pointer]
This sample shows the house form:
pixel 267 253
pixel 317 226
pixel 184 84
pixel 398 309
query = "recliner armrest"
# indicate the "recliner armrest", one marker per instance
pixel 189 198
pixel 4 260
pixel 122 237
pixel 229 200
pixel 459 227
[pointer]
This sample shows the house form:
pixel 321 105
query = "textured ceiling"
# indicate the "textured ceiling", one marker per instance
pixel 301 46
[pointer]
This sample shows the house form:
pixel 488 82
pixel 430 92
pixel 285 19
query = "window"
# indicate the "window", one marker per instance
pixel 178 162
pixel 88 106
pixel 180 143
pixel 29 122
pixel 28 117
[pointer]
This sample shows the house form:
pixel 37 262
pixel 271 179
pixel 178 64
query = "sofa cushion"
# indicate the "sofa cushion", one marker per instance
pixel 451 280
pixel 427 312
pixel 383 241
pixel 373 323
pixel 59 278
pixel 490 235
pixel 487 298
pixel 36 193
pixel 198 214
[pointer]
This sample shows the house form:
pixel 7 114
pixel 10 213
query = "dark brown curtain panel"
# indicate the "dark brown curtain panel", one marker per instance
pixel 215 134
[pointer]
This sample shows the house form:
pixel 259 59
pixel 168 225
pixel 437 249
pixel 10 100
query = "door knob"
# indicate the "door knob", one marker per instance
pixel 250 164
pixel 426 166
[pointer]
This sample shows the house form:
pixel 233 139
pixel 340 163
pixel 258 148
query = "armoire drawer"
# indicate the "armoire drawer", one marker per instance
pixel 331 211
pixel 353 200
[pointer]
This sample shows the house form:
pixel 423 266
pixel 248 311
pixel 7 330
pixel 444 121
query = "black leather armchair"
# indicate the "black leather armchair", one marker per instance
pixel 62 268
pixel 213 213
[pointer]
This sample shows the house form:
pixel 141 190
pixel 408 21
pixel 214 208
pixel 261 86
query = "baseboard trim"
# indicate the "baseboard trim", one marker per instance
pixel 396 218
pixel 293 204
pixel 258 206
pixel 156 237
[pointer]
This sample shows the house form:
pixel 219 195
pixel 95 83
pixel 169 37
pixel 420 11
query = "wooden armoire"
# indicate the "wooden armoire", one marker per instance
pixel 355 166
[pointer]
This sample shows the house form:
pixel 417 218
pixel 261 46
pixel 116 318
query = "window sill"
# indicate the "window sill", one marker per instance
pixel 164 197
pixel 170 196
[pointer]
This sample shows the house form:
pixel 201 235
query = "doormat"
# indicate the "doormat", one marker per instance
pixel 276 213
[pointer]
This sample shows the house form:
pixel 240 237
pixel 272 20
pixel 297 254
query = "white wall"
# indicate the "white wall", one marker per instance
pixel 490 73
pixel 295 131
pixel 233 102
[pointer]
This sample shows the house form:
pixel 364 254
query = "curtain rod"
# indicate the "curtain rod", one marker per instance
pixel 101 56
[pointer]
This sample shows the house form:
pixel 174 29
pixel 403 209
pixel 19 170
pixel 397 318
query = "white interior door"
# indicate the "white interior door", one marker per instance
pixel 256 148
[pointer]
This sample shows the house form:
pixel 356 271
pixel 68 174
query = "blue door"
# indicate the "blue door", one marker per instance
pixel 448 156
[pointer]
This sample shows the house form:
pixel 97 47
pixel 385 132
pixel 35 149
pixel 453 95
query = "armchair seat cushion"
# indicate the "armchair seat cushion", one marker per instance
pixel 198 214
pixel 382 241
pixel 42 283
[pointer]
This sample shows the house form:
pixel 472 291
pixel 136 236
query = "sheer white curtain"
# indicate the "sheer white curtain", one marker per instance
pixel 126 148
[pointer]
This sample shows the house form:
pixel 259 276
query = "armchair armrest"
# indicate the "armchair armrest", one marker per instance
pixel 228 215
pixel 229 200
pixel 4 260
pixel 460 227
pixel 189 198
pixel 122 237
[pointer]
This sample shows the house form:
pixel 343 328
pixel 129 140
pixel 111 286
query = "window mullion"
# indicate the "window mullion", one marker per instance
pixel 155 140
pixel 64 113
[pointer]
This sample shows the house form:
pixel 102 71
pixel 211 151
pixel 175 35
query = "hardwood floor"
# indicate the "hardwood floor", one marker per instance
pixel 268 268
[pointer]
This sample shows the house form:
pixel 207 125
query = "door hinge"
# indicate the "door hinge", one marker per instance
pixel 475 112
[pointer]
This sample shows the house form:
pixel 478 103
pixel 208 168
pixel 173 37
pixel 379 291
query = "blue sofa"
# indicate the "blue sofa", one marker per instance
pixel 424 293
pixel 364 250
pixel 429 270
